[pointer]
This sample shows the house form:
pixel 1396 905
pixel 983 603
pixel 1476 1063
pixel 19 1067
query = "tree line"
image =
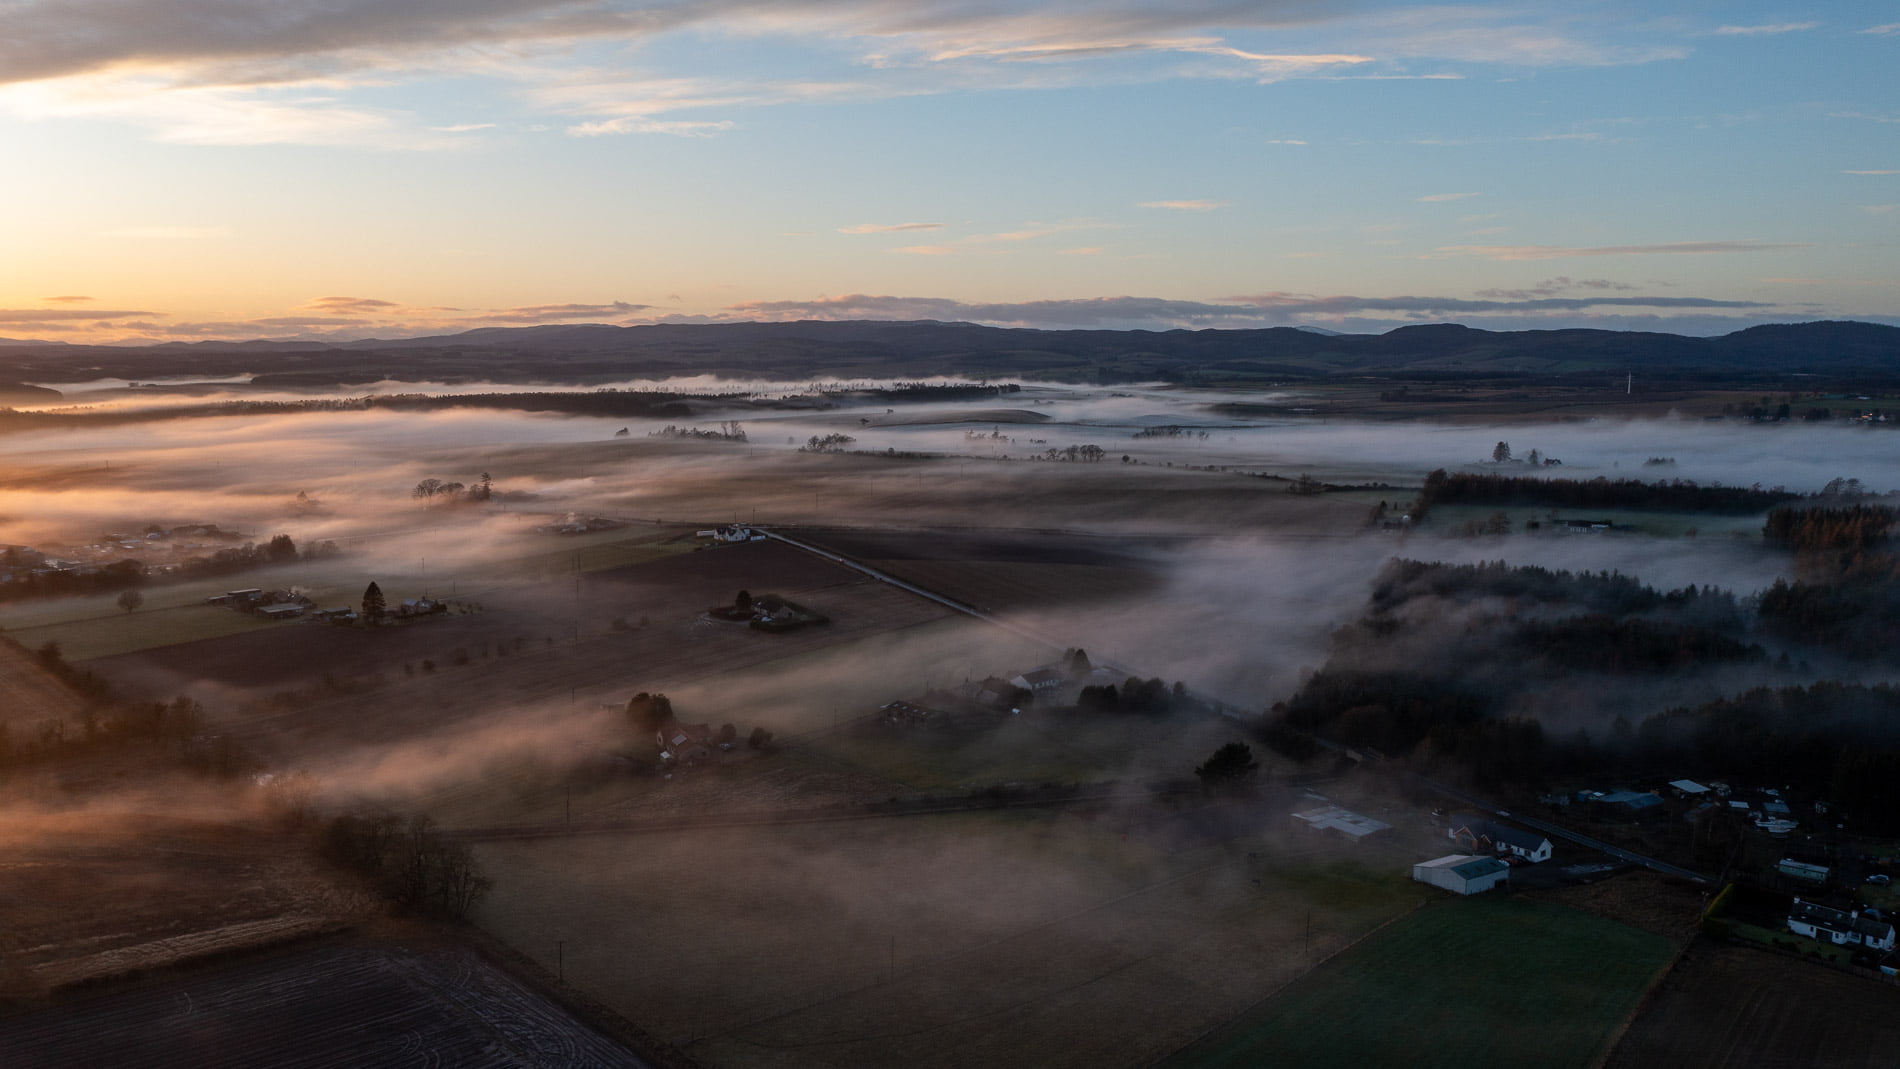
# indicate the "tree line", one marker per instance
pixel 1674 495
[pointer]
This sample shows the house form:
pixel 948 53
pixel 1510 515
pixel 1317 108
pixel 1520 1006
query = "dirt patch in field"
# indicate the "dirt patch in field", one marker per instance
pixel 1642 899
pixel 1729 1007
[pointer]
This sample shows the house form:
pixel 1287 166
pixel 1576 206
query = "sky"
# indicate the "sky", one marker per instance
pixel 179 170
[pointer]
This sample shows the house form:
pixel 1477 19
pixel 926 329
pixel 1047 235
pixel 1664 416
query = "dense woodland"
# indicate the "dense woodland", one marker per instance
pixel 1674 495
pixel 1462 698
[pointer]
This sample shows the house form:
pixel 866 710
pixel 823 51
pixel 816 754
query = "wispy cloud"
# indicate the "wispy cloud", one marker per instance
pixel 1086 250
pixel 1863 115
pixel 68 315
pixel 1269 309
pixel 528 315
pixel 1880 209
pixel 351 305
pixel 887 228
pixel 1554 252
pixel 1884 30
pixel 1185 205
pixel 1436 198
pixel 1768 30
pixel 670 127
pixel 253 72
pixel 1286 141
pixel 928 250
pixel 65 300
pixel 1871 172
pixel 1552 286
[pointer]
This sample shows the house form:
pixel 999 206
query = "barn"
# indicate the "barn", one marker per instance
pixel 1462 874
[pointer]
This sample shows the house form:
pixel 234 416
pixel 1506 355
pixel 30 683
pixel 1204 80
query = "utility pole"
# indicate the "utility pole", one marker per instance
pixel 560 961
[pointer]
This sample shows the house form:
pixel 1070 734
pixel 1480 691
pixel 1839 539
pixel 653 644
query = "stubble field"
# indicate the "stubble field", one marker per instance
pixel 983 939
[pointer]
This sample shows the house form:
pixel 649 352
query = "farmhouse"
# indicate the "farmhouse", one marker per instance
pixel 1461 873
pixel 684 743
pixel 1048 677
pixel 1687 788
pixel 281 612
pixel 1838 926
pixel 1473 833
pixel 1344 821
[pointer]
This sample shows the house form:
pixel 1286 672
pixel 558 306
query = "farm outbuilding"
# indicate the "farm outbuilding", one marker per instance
pixel 1344 821
pixel 1462 874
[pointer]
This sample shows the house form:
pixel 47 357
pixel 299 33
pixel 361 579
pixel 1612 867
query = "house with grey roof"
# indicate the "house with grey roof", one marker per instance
pixel 1839 926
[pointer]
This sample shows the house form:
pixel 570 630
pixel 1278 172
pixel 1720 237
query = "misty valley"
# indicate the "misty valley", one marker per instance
pixel 1206 718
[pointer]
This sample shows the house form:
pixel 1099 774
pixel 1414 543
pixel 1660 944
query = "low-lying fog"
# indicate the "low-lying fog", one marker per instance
pixel 1243 606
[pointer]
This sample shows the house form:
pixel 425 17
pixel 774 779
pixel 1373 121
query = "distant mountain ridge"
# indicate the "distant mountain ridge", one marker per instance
pixel 594 353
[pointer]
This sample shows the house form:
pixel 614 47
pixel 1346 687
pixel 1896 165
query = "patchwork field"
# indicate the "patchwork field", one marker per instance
pixel 985 939
pixel 1487 980
pixel 1729 1007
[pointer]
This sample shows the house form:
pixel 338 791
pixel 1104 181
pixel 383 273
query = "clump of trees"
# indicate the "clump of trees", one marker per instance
pixel 648 713
pixel 830 443
pixel 729 431
pixel 410 863
pixel 1229 770
pixel 433 492
pixel 1145 697
pixel 1086 454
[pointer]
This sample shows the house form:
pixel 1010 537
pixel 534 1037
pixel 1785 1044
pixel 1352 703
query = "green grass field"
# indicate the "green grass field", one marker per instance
pixel 105 636
pixel 1487 980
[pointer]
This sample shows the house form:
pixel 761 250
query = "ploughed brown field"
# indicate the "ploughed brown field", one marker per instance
pixel 342 1003
pixel 1729 1007
pixel 113 888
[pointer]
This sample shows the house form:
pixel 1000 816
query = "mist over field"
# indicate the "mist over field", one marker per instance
pixel 1235 559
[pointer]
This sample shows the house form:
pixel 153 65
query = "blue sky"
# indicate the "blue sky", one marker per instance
pixel 182 169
